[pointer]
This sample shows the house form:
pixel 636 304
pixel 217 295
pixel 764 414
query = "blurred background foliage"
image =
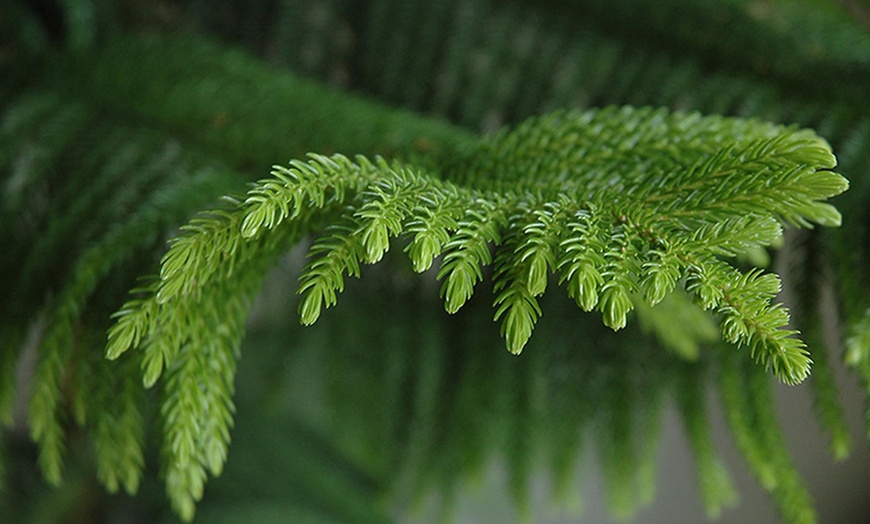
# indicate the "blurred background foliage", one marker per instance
pixel 389 409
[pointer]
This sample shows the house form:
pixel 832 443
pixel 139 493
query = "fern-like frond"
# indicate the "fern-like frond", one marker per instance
pixel 468 250
pixel 688 196
pixel 299 187
pixel 335 254
pixel 191 319
pixel 625 204
pixel 515 301
pixel 522 268
pixel 434 219
pixel 109 144
pixel 582 258
pixel 104 226
pixel 387 204
pixel 566 154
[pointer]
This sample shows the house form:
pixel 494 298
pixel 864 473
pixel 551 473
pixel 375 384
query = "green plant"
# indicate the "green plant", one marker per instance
pixel 663 214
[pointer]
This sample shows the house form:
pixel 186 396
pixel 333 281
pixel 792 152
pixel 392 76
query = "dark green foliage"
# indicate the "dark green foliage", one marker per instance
pixel 639 203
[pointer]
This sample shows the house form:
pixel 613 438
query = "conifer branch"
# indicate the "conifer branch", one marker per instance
pixel 625 204
pixel 468 250
pixel 730 204
pixel 666 215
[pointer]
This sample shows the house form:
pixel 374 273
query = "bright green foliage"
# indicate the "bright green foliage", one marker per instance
pixel 647 242
pixel 649 206
pixel 658 210
pixel 437 218
pixel 338 254
pixel 583 256
pixel 467 251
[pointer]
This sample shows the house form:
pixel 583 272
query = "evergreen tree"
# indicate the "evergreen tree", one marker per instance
pixel 608 190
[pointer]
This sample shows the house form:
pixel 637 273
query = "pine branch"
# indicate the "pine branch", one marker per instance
pixel 467 251
pixel 628 206
pixel 629 236
pixel 621 220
